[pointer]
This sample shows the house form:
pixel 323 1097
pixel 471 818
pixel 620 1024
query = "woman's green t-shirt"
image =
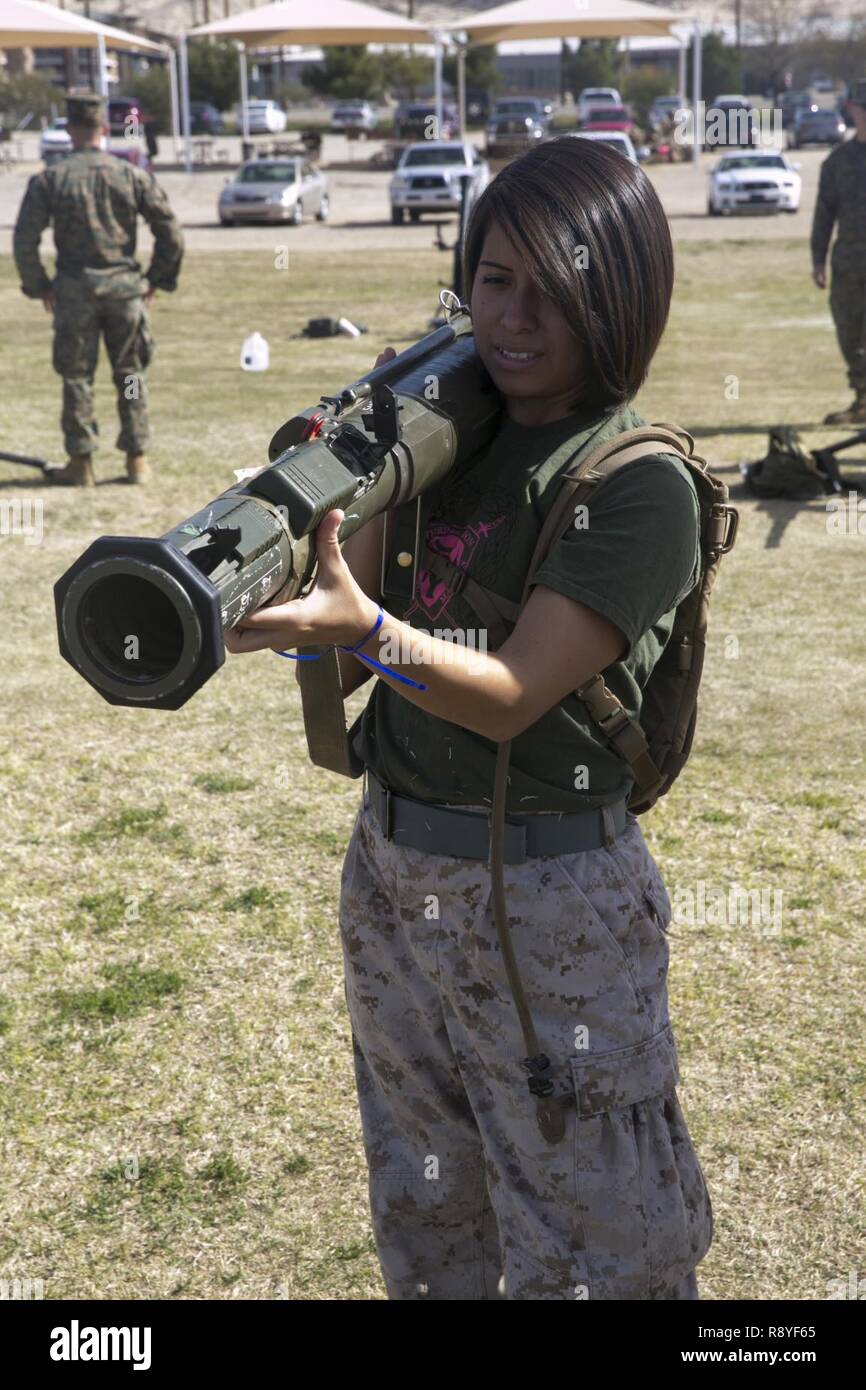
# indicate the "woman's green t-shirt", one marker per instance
pixel 633 558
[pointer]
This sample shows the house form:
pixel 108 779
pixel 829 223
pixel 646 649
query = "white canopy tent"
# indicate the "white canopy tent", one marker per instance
pixel 296 22
pixel 579 19
pixel 563 19
pixel 30 24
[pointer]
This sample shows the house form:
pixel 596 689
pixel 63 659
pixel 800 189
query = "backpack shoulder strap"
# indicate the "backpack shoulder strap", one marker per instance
pixel 578 481
pixel 605 709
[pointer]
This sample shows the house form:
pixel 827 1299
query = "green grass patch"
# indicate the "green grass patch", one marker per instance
pixel 251 899
pixel 139 822
pixel 129 991
pixel 7 1008
pixel 114 909
pixel 218 783
pixel 224 1172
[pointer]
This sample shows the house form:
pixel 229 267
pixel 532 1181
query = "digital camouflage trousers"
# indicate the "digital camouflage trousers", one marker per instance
pixel 848 307
pixel 468 1201
pixel 80 318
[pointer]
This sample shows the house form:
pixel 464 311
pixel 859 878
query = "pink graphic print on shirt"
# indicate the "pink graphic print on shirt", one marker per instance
pixel 458 544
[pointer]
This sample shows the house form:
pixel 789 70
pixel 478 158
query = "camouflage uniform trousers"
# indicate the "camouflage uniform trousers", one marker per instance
pixel 848 307
pixel 80 316
pixel 468 1201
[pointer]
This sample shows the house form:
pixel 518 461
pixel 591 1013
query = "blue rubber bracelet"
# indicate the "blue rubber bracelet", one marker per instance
pixel 314 656
pixel 393 675
pixel 355 651
pixel 364 640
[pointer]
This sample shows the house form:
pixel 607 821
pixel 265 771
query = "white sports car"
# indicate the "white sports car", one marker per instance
pixel 754 181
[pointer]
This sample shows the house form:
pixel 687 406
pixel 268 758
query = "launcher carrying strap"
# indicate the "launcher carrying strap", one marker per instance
pixel 328 742
pixel 324 717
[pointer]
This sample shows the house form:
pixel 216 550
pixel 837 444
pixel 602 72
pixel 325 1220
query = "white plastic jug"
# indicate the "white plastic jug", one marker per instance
pixel 255 354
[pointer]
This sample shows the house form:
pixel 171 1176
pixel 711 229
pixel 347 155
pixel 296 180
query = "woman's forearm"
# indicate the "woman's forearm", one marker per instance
pixel 465 685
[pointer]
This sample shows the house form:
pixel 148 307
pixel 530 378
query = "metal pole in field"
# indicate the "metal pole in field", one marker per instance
pixel 437 80
pixel 697 75
pixel 681 74
pixel 245 94
pixel 102 75
pixel 461 88
pixel 184 97
pixel 175 104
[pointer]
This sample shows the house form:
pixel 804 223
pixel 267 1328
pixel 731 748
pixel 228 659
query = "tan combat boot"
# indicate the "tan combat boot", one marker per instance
pixel 137 468
pixel 77 473
pixel 854 415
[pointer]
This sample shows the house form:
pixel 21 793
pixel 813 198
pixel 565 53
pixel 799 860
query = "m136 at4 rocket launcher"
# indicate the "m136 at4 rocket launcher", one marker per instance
pixel 143 619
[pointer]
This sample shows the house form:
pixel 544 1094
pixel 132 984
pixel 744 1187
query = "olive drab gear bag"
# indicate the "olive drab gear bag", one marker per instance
pixel 656 748
pixel 788 469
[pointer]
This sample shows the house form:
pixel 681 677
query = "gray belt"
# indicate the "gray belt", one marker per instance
pixel 454 830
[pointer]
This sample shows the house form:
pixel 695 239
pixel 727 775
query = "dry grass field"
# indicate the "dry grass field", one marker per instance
pixel 178 1113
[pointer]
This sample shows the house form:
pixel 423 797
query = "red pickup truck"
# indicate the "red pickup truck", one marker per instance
pixel 609 117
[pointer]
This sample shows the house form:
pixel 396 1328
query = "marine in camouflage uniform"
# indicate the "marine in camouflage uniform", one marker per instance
pixel 93 201
pixel 842 202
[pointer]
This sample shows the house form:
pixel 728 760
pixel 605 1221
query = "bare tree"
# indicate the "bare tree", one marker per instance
pixel 778 26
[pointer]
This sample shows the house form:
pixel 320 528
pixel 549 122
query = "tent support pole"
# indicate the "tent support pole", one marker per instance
pixel 102 63
pixel 175 104
pixel 245 93
pixel 461 88
pixel 437 80
pixel 697 76
pixel 184 96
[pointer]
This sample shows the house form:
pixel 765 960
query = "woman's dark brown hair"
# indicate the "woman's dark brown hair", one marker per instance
pixel 593 235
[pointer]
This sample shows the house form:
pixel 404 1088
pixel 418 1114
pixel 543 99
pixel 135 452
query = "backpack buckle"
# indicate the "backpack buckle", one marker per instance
pixel 613 722
pixel 722 528
pixel 604 707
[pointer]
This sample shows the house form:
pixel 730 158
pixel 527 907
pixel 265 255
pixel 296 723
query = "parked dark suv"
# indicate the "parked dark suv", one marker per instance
pixel 124 114
pixel 517 124
pixel 477 105
pixel 815 126
pixel 204 119
pixel 415 120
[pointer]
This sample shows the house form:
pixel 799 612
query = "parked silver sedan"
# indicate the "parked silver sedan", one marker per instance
pixel 274 190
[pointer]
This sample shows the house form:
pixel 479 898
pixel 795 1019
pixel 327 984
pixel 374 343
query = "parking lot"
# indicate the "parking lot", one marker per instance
pixel 360 212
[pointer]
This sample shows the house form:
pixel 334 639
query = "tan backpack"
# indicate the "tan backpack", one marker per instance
pixel 657 748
